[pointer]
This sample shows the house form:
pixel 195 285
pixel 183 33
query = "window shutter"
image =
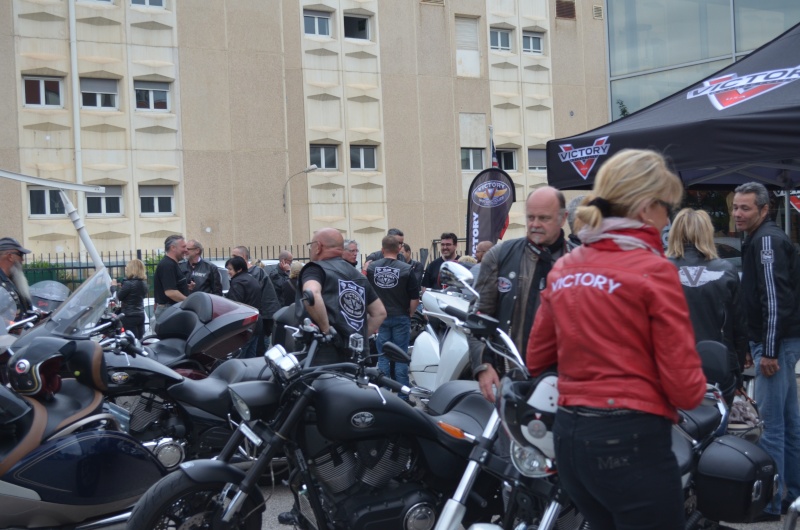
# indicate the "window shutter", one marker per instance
pixel 103 86
pixel 111 191
pixel 537 158
pixel 150 85
pixel 156 191
pixel 466 33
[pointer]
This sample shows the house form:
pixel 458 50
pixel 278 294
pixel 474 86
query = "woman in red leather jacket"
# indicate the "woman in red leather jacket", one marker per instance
pixel 615 320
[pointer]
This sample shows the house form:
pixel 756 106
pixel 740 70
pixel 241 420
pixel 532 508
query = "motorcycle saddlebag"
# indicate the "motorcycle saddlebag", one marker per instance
pixel 735 480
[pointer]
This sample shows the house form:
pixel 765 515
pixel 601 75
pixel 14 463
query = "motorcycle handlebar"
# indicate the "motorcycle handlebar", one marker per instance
pixel 455 312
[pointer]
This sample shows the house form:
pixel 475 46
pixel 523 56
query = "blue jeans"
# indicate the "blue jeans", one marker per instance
pixel 396 330
pixel 777 402
pixel 620 470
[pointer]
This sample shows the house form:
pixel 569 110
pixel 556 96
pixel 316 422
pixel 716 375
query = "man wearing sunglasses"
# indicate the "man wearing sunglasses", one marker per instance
pixel 12 277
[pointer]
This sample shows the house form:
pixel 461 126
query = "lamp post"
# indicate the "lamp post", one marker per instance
pixel 309 169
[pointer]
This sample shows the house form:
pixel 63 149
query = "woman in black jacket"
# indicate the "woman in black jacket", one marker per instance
pixel 711 285
pixel 131 295
pixel 245 289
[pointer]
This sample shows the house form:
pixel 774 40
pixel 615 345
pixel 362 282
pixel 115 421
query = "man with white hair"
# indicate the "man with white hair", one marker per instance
pixel 12 278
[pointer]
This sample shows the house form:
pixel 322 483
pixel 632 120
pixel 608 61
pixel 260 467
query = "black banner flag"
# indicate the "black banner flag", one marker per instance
pixel 491 195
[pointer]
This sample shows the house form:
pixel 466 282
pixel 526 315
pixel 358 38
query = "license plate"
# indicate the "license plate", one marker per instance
pixel 250 435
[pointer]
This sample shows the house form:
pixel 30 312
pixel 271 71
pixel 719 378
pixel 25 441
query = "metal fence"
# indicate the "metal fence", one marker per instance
pixel 72 269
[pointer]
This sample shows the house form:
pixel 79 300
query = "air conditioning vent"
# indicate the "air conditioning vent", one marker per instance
pixel 597 12
pixel 434 2
pixel 565 9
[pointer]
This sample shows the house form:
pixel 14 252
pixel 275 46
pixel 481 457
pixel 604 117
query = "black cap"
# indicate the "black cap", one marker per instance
pixel 9 243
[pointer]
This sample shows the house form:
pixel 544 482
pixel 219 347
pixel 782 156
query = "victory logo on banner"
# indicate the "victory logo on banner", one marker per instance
pixel 491 195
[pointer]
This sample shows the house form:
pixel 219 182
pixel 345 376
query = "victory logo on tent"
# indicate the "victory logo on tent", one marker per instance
pixel 584 158
pixel 731 89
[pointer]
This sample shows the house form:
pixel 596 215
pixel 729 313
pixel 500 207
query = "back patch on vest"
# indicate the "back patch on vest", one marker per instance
pixel 352 303
pixel 386 277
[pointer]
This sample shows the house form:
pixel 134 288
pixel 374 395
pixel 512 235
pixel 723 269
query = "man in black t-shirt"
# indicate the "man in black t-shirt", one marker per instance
pixel 447 244
pixel 397 287
pixel 343 298
pixel 170 285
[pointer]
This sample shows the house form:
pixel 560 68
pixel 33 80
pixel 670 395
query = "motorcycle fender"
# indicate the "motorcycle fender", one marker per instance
pixel 425 352
pixel 485 526
pixel 454 358
pixel 212 471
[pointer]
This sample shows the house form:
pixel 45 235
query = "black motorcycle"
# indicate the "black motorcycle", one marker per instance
pixel 360 456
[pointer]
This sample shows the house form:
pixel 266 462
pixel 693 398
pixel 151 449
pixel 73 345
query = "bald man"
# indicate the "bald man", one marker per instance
pixel 343 298
pixel 511 277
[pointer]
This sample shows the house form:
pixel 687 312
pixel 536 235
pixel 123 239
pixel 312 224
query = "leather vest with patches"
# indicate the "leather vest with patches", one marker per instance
pixel 345 297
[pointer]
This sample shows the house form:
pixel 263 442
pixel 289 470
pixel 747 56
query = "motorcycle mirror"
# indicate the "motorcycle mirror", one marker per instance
pixel 393 352
pixel 453 273
pixel 308 297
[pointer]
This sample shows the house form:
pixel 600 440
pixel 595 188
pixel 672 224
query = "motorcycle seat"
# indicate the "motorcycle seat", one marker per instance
pixel 448 394
pixel 682 450
pixel 211 394
pixel 471 414
pixel 701 421
pixel 168 352
pixel 71 404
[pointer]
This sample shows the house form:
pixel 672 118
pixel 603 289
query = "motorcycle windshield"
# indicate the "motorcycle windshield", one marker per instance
pixel 81 311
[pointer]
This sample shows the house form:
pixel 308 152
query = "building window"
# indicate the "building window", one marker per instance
pixel 98 93
pixel 507 160
pixel 356 27
pixel 156 200
pixel 500 40
pixel 44 202
pixel 150 3
pixel 468 60
pixel 324 156
pixel 42 91
pixel 151 95
pixel 108 203
pixel 362 157
pixel 471 159
pixel 317 23
pixel 532 42
pixel 537 160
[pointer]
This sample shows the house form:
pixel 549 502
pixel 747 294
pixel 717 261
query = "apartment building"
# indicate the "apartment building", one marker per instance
pixel 203 116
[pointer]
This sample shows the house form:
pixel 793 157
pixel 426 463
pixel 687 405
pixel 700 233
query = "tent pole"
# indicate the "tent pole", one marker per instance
pixel 786 206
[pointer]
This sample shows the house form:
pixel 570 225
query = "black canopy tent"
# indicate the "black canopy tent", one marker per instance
pixel 737 125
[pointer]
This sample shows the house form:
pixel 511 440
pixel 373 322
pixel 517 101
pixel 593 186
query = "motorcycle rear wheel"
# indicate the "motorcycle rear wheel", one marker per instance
pixel 178 502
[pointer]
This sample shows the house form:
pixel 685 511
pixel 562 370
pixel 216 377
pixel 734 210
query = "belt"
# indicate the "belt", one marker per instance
pixel 594 412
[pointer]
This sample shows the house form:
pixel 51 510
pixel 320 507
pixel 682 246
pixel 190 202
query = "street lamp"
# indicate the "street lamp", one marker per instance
pixel 309 169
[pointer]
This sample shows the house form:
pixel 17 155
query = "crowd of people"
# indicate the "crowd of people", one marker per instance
pixel 617 316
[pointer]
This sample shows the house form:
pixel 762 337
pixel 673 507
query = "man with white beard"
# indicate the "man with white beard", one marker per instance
pixel 12 279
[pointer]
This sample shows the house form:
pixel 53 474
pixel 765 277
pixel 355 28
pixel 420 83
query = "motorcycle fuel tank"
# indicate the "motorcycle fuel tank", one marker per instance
pixel 346 411
pixel 127 373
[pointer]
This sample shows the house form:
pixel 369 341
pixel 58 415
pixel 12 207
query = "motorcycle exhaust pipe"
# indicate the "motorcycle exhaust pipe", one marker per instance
pixel 103 523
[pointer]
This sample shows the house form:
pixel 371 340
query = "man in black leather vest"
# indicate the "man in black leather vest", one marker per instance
pixel 343 298
pixel 512 275
pixel 12 278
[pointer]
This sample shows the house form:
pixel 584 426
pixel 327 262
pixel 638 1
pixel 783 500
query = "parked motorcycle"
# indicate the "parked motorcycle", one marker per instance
pixel 47 295
pixel 725 477
pixel 361 457
pixel 64 457
pixel 440 352
pixel 194 336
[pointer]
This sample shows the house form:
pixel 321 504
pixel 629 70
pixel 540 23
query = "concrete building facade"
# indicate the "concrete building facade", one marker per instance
pixel 200 116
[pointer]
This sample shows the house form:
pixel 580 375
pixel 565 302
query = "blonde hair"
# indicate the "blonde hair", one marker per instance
pixel 629 181
pixel 294 271
pixel 467 259
pixel 135 269
pixel 695 227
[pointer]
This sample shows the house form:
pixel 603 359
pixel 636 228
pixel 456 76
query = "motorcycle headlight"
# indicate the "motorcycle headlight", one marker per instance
pixel 530 461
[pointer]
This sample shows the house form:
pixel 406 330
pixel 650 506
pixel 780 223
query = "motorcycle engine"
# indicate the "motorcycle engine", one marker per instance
pixel 362 490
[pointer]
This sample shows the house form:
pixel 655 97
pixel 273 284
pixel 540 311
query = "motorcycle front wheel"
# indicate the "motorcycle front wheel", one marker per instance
pixel 178 502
